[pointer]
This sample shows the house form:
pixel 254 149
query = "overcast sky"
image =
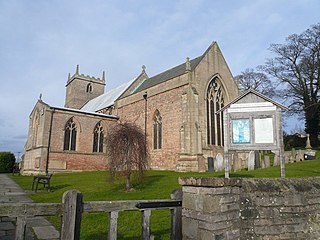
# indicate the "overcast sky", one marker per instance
pixel 42 41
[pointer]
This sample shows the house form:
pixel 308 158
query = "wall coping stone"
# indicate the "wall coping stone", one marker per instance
pixel 256 184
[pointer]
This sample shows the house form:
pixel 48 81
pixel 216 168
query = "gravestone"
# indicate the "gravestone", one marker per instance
pixel 210 164
pixel 220 162
pixel 251 161
pixel 287 156
pixel 266 161
pixel 293 155
pixel 300 155
pixel 236 162
pixel 257 157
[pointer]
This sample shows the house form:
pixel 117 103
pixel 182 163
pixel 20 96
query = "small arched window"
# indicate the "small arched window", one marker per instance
pixel 70 136
pixel 98 135
pixel 89 88
pixel 157 130
pixel 215 101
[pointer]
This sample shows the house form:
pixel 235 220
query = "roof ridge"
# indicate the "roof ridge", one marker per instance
pixel 166 75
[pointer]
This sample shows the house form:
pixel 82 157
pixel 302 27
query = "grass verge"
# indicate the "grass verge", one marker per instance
pixel 96 186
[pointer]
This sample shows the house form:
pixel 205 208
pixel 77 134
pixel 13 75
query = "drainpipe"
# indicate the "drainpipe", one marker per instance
pixel 49 142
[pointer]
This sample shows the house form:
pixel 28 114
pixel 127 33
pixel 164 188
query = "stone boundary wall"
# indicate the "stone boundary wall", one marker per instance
pixel 218 208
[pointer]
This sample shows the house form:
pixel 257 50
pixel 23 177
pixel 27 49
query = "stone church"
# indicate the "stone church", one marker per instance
pixel 177 109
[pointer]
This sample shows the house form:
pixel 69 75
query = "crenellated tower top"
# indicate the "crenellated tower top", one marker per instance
pixel 82 88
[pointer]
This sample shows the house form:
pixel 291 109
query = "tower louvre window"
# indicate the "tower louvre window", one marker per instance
pixel 89 88
pixel 70 136
pixel 98 136
pixel 215 101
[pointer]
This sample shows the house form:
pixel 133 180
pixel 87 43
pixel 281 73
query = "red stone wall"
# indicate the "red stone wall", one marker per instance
pixel 169 105
pixel 83 158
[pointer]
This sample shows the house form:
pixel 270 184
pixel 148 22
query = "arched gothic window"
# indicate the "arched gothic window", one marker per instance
pixel 98 135
pixel 70 136
pixel 215 101
pixel 89 88
pixel 157 130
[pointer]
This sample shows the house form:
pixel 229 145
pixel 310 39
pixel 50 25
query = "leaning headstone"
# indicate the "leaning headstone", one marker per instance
pixel 220 162
pixel 251 161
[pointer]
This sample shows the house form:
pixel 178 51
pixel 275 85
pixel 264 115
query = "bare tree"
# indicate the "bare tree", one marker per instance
pixel 256 80
pixel 127 151
pixel 296 68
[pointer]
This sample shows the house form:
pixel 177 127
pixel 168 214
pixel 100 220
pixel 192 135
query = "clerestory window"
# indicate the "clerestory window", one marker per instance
pixel 215 101
pixel 98 135
pixel 70 136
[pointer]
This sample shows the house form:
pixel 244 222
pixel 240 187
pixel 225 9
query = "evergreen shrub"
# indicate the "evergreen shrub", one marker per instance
pixel 7 161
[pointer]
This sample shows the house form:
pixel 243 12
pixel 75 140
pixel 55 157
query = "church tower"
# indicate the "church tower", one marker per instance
pixel 80 89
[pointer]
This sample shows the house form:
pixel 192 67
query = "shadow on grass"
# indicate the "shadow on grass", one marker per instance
pixel 146 183
pixel 160 234
pixel 58 187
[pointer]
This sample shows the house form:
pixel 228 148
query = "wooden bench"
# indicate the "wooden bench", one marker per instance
pixel 42 179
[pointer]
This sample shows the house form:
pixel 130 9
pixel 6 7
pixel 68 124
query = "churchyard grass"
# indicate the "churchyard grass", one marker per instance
pixel 96 186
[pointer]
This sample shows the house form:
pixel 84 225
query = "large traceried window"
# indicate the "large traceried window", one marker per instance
pixel 157 130
pixel 70 136
pixel 215 101
pixel 98 135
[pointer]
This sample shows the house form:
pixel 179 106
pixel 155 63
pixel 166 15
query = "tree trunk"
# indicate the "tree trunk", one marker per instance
pixel 312 125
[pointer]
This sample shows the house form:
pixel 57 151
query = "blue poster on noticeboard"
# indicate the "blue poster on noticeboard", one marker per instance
pixel 241 131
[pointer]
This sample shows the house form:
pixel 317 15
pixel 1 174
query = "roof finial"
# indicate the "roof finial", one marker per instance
pixel 40 97
pixel 77 69
pixel 188 65
pixel 103 76
pixel 69 76
pixel 143 68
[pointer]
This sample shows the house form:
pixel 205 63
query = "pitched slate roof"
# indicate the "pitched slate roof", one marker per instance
pixel 105 100
pixel 167 75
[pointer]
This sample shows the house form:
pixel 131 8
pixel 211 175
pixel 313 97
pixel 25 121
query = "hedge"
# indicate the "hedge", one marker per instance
pixel 7 161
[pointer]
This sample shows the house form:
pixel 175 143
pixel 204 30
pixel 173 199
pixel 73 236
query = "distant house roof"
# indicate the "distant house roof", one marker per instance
pixel 251 90
pixel 107 99
pixel 167 75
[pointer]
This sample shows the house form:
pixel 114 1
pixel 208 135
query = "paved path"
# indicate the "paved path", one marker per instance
pixel 37 228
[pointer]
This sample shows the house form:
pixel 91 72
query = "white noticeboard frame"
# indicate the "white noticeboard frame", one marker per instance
pixel 263 128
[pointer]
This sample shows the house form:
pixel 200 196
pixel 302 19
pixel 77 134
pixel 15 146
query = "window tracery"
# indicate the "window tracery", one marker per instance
pixel 215 101
pixel 70 136
pixel 157 130
pixel 98 136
